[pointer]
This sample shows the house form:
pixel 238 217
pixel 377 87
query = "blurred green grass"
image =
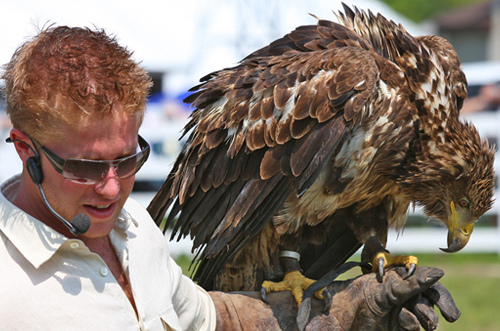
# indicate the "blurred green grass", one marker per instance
pixel 472 279
pixel 474 282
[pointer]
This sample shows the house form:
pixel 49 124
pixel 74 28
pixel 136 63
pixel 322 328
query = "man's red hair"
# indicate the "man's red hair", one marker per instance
pixel 69 75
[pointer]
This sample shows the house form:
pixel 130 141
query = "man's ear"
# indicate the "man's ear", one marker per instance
pixel 23 149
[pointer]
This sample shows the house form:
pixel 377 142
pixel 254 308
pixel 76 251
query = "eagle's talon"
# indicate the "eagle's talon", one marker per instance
pixel 263 294
pixel 328 300
pixel 383 260
pixel 411 270
pixel 381 263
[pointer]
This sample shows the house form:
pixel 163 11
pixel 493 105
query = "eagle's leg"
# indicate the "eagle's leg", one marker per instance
pixel 293 280
pixel 370 227
pixel 375 252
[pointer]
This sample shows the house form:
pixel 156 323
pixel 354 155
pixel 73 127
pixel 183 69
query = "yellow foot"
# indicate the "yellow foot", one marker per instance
pixel 294 281
pixel 383 260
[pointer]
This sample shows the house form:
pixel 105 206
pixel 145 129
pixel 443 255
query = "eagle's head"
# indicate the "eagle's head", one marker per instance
pixel 454 181
pixel 451 175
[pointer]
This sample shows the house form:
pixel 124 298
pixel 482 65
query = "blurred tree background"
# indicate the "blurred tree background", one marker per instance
pixel 421 10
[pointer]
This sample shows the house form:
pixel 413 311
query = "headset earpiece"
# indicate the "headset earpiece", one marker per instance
pixel 34 169
pixel 32 163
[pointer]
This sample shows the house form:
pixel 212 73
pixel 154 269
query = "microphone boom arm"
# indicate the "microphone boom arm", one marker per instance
pixel 84 223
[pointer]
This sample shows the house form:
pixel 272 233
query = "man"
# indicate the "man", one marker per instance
pixel 77 254
pixel 76 93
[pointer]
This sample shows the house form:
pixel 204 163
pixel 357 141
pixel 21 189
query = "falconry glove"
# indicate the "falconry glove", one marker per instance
pixel 362 303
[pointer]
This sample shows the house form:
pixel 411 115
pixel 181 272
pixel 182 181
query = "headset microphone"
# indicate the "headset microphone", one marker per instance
pixel 81 222
pixel 78 225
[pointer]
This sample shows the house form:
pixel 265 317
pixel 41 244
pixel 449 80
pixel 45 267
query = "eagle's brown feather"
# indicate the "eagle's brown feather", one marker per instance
pixel 326 136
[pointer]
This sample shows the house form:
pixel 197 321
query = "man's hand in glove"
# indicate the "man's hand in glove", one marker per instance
pixel 357 304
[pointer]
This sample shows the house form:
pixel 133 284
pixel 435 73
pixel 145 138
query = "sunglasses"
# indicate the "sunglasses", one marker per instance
pixel 91 172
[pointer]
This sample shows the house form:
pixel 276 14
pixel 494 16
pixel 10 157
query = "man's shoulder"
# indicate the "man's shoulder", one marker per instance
pixel 132 206
pixel 137 211
pixel 143 231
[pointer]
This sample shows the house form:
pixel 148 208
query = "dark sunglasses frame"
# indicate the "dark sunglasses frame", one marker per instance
pixel 58 163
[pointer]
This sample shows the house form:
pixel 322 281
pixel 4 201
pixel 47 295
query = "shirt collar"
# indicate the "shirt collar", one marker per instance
pixel 36 241
pixel 124 221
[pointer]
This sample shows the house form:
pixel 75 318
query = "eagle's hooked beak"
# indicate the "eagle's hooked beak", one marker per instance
pixel 458 233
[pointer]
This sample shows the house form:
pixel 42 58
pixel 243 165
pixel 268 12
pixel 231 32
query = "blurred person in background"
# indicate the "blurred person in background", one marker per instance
pixel 488 99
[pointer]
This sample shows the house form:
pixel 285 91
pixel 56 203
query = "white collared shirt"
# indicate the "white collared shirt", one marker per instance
pixel 51 282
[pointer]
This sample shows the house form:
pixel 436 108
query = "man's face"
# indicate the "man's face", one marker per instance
pixel 112 138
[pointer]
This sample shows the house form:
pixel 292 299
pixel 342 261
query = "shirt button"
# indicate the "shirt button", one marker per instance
pixel 74 245
pixel 104 271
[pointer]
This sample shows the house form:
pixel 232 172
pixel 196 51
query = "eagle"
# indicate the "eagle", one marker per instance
pixel 315 145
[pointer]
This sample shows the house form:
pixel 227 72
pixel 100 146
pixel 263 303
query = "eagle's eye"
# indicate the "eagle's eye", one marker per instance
pixel 464 202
